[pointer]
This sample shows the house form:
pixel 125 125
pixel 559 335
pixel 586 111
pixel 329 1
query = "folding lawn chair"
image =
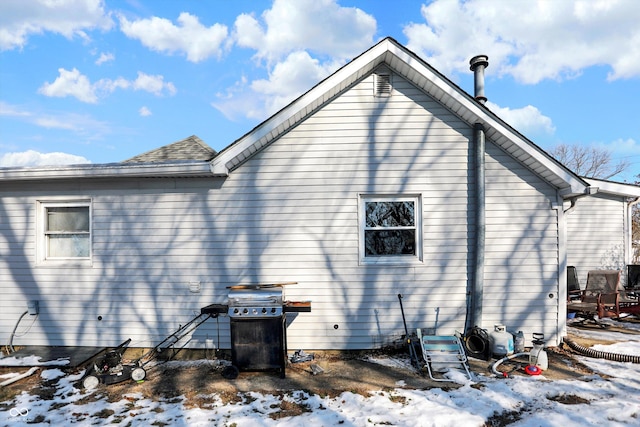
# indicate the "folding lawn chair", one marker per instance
pixel 442 351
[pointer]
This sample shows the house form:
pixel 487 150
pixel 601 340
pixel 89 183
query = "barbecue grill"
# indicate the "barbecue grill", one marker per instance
pixel 257 319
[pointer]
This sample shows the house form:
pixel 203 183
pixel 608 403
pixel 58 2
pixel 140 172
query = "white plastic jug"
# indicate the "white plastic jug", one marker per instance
pixel 538 357
pixel 501 341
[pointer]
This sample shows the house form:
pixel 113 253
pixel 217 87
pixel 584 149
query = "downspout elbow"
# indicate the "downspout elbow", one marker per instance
pixel 588 192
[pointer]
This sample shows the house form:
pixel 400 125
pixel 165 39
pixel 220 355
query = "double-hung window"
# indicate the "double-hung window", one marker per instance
pixel 64 231
pixel 390 229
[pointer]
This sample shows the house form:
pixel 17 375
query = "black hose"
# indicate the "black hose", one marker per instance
pixel 616 357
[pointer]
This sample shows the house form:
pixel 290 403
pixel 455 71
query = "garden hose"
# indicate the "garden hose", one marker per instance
pixel 9 345
pixel 494 367
pixel 616 357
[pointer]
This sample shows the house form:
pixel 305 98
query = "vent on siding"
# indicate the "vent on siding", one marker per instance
pixel 382 84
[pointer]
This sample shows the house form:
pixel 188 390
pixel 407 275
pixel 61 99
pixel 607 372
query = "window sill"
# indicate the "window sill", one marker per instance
pixel 50 263
pixel 400 261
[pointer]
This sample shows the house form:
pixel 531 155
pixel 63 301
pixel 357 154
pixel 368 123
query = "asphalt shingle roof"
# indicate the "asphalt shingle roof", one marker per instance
pixel 191 148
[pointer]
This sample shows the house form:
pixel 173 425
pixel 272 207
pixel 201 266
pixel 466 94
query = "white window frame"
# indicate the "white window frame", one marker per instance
pixel 390 259
pixel 42 236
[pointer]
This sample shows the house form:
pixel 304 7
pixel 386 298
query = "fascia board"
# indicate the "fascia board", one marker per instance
pixel 617 188
pixel 112 170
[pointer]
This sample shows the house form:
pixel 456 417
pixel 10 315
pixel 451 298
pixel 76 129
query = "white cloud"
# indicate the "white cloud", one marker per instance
pixel 70 83
pixel 73 83
pixel 301 42
pixel 105 57
pixel 12 110
pixel 320 26
pixel 20 19
pixel 49 122
pixel 263 97
pixel 290 78
pixel 153 84
pixel 79 124
pixel 530 40
pixel 34 158
pixel 189 37
pixel 528 120
pixel 144 111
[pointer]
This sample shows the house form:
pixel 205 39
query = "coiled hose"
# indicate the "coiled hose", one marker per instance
pixel 616 357
pixel 494 367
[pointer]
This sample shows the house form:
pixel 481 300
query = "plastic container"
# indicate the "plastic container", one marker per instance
pixel 501 342
pixel 518 342
pixel 538 357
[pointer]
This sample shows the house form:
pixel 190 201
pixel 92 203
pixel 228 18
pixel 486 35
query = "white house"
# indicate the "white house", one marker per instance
pixel 386 178
pixel 599 228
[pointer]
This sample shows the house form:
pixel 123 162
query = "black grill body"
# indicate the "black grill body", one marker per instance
pixel 259 344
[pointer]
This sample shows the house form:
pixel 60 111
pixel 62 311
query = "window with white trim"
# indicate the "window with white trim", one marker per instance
pixel 64 232
pixel 390 229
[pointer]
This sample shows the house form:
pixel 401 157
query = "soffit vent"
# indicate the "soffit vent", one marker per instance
pixel 382 84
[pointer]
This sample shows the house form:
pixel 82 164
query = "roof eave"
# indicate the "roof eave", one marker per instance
pixel 617 188
pixel 111 170
pixel 423 76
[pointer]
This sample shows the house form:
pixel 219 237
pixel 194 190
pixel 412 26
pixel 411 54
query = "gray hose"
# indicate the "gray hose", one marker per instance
pixel 616 357
pixel 9 346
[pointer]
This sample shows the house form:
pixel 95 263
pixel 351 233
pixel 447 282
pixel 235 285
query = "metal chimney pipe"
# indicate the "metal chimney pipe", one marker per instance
pixel 478 64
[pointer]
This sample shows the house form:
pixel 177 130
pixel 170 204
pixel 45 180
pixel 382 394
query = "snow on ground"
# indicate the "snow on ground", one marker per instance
pixel 519 401
pixel 32 361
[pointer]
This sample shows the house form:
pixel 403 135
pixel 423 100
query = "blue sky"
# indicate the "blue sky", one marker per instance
pixel 90 81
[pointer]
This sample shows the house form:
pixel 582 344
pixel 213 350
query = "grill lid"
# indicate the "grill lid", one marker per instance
pixel 255 301
pixel 256 296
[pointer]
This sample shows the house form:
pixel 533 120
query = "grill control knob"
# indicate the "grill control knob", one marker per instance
pixel 255 311
pixel 273 309
pixel 235 311
pixel 264 310
pixel 245 311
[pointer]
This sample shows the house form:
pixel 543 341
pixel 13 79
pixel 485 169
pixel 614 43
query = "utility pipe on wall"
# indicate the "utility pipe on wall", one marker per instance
pixel 478 64
pixel 480 220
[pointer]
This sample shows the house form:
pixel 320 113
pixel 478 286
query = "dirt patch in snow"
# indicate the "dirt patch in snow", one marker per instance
pixel 360 373
pixel 357 372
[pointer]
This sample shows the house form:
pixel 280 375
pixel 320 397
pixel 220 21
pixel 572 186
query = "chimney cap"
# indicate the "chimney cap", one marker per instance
pixel 477 61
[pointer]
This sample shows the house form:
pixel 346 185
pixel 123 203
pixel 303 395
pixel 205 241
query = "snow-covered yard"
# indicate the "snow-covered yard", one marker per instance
pixel 610 397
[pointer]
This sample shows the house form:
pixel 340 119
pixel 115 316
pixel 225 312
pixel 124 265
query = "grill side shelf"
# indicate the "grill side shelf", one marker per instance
pixel 214 309
pixel 297 307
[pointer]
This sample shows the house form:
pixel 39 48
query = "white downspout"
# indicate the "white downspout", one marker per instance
pixel 629 233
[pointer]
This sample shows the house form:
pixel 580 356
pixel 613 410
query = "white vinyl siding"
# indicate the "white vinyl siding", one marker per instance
pixel 290 214
pixel 594 244
pixel 521 274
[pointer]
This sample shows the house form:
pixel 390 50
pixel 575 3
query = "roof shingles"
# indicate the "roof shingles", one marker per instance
pixel 191 148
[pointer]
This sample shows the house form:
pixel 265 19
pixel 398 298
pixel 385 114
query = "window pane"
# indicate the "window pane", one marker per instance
pixel 390 214
pixel 69 245
pixel 68 219
pixel 389 242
